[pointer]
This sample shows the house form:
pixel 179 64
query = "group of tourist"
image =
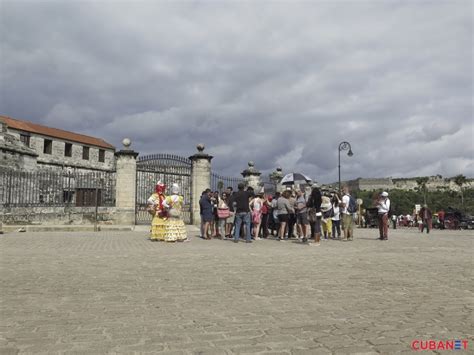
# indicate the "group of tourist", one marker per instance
pixel 305 214
pixel 294 213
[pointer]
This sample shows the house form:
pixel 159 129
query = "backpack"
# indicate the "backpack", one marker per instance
pixel 352 207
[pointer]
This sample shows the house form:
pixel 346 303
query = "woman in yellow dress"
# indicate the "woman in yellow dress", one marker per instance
pixel 158 211
pixel 175 230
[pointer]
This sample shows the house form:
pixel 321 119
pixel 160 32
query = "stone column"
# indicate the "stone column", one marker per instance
pixel 200 180
pixel 252 177
pixel 126 184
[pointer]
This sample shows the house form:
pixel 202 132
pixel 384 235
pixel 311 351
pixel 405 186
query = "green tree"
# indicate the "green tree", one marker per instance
pixel 460 180
pixel 422 181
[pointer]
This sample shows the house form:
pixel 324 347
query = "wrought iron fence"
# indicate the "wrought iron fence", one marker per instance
pixel 56 189
pixel 268 185
pixel 168 169
pixel 219 182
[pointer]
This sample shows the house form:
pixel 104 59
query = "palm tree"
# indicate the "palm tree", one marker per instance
pixel 421 181
pixel 460 180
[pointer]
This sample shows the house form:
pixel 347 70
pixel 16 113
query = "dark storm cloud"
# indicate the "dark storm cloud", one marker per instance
pixel 277 83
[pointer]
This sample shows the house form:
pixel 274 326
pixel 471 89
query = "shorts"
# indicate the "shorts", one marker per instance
pixel 302 218
pixel 208 217
pixel 230 219
pixel 283 218
pixel 347 222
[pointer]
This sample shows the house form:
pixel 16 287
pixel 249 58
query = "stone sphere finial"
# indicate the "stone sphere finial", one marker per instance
pixel 200 147
pixel 126 143
pixel 251 164
pixel 279 169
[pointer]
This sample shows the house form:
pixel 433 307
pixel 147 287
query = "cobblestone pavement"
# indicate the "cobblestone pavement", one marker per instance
pixel 117 292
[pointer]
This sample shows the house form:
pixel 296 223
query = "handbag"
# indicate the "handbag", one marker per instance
pixel 312 215
pixel 223 213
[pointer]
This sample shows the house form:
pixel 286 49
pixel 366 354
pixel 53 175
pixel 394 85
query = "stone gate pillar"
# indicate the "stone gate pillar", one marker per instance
pixel 200 180
pixel 252 177
pixel 126 184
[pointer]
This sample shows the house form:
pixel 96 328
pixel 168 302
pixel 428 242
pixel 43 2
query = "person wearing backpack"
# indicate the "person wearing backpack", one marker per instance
pixel 347 209
pixel 383 207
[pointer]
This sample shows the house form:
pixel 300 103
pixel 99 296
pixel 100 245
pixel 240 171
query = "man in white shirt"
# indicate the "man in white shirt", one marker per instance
pixel 383 207
pixel 347 216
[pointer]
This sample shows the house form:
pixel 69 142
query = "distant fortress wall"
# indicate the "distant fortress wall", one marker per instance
pixel 434 183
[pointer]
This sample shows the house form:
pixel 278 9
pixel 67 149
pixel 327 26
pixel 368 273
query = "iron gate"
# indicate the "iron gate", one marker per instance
pixel 168 169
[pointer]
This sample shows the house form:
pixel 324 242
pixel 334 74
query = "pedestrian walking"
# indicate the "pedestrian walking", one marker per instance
pixel 314 214
pixel 426 218
pixel 336 218
pixel 348 208
pixel 383 207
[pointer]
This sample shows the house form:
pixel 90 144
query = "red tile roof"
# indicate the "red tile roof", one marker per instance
pixel 54 132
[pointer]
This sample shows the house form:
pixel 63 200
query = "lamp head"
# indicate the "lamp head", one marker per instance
pixel 350 153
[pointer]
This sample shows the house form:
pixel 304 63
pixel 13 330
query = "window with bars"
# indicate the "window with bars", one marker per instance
pixel 25 139
pixel 48 146
pixel 85 153
pixel 101 155
pixel 68 150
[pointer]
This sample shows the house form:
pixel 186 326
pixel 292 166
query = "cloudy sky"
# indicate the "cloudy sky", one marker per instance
pixel 280 83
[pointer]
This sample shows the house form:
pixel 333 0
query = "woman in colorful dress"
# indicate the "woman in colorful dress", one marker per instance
pixel 158 211
pixel 175 230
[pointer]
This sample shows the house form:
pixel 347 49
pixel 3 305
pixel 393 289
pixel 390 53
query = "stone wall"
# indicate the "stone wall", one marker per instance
pixel 58 215
pixel 434 183
pixel 57 156
pixel 13 153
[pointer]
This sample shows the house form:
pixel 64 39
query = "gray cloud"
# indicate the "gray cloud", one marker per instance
pixel 278 83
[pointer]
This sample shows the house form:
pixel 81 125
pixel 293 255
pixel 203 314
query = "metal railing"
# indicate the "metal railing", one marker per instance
pixel 56 189
pixel 220 183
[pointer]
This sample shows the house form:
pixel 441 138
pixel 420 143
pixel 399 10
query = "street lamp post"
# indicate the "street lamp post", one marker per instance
pixel 343 146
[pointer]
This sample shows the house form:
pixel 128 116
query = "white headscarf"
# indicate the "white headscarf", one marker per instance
pixel 175 189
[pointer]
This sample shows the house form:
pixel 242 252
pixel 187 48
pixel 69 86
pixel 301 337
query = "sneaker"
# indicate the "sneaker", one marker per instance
pixel 249 241
pixel 304 240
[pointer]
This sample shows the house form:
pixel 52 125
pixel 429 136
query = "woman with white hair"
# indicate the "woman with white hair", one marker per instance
pixel 175 230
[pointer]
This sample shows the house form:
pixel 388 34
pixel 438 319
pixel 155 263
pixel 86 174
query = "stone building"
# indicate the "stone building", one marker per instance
pixel 52 148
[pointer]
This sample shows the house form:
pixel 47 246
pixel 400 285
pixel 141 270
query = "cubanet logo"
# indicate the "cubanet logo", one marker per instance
pixel 419 344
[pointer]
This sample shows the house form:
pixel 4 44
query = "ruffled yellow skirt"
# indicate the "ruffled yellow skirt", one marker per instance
pixel 168 230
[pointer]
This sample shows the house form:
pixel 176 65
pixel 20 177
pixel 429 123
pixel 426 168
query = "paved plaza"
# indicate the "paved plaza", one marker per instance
pixel 117 292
